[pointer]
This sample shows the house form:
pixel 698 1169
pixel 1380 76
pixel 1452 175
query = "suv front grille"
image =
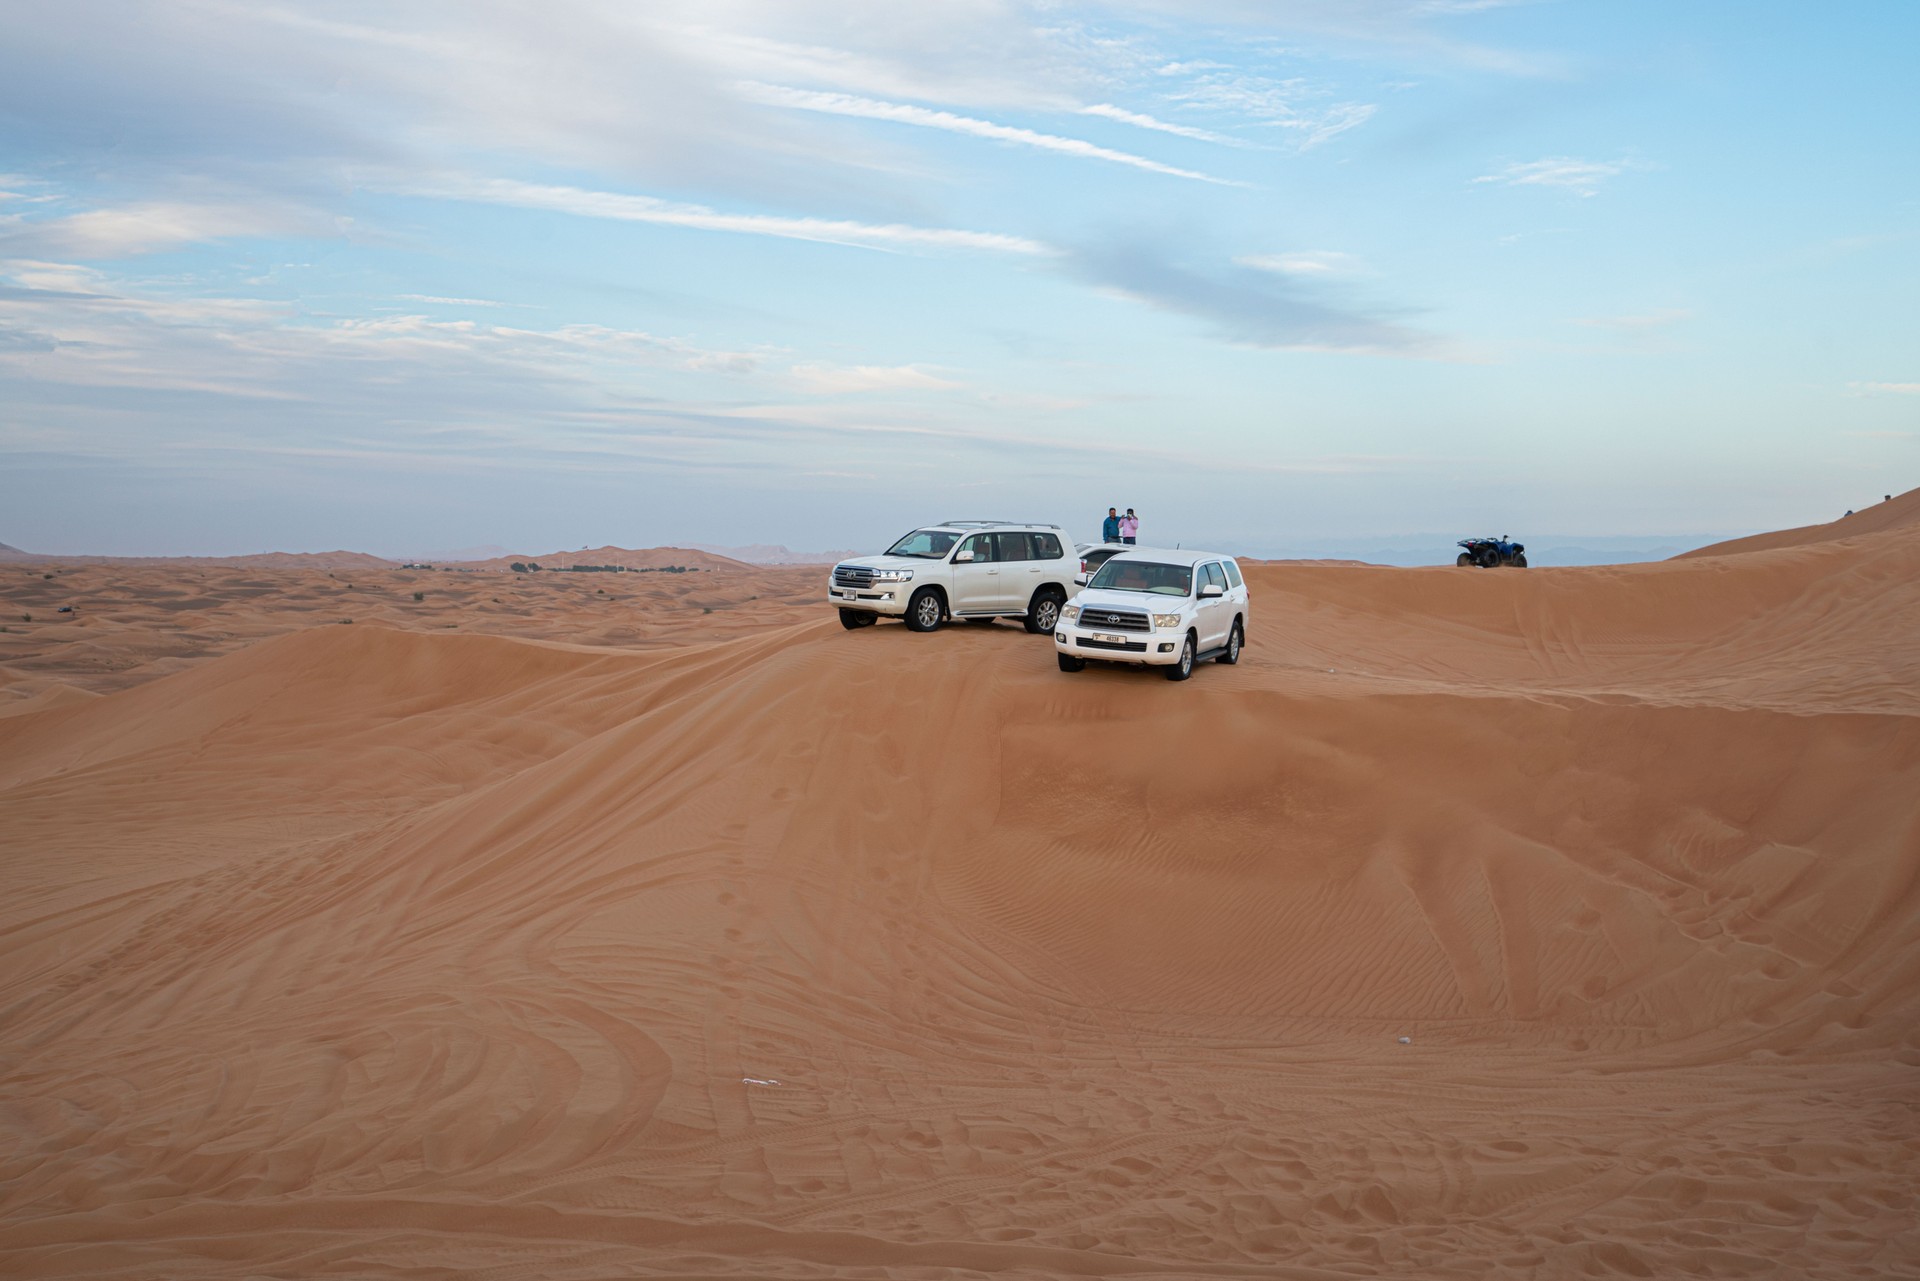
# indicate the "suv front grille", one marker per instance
pixel 1115 619
pixel 852 576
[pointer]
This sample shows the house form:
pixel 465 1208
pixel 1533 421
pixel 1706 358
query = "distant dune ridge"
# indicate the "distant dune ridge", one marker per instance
pixel 1558 923
pixel 1896 512
pixel 645 558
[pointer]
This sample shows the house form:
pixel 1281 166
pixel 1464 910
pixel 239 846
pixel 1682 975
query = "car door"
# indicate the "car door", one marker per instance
pixel 1215 615
pixel 1237 593
pixel 1023 566
pixel 976 582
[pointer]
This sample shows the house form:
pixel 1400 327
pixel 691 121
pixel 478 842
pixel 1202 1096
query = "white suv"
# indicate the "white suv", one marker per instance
pixel 1169 609
pixel 978 570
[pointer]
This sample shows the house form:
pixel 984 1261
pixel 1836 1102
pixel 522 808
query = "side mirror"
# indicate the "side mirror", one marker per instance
pixel 1212 591
pixel 962 557
pixel 1079 580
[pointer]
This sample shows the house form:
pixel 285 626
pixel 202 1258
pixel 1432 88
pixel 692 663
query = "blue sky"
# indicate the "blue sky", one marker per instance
pixel 406 278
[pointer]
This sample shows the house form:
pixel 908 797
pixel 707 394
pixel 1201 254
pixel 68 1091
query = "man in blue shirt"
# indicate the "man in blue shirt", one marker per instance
pixel 1110 528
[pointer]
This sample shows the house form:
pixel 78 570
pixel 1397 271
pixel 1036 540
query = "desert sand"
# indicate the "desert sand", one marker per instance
pixel 1558 923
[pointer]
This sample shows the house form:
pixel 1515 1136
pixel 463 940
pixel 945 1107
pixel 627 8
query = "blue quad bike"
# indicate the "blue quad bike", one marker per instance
pixel 1491 553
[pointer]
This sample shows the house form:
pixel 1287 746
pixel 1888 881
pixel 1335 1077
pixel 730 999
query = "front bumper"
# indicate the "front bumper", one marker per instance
pixel 1155 648
pixel 881 598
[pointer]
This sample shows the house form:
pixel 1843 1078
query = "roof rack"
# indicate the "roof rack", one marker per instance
pixel 989 524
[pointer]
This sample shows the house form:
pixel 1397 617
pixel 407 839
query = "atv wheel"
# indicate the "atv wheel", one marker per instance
pixel 1045 614
pixel 1231 654
pixel 1068 663
pixel 1488 559
pixel 1519 560
pixel 1184 668
pixel 923 611
pixel 1464 559
pixel 855 619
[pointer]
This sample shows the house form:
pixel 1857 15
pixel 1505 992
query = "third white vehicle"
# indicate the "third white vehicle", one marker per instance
pixel 1160 608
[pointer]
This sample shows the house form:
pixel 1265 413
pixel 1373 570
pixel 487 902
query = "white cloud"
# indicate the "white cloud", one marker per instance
pixel 1110 112
pixel 1581 177
pixel 1307 263
pixel 1291 104
pixel 151 226
pixel 836 379
pixel 452 302
pixel 628 208
pixel 1884 389
pixel 841 104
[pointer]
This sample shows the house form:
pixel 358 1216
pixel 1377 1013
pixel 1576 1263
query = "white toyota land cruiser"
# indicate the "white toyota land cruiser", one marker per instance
pixel 978 570
pixel 1169 609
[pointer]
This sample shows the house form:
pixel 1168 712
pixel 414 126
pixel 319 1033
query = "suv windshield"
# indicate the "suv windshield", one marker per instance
pixel 1143 576
pixel 929 544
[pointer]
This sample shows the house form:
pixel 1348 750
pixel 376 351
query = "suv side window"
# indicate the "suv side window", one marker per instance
pixel 1214 575
pixel 981 545
pixel 1013 546
pixel 1046 547
pixel 1233 573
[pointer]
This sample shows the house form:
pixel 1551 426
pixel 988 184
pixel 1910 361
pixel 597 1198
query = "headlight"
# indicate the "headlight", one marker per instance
pixel 1167 622
pixel 892 575
pixel 1069 612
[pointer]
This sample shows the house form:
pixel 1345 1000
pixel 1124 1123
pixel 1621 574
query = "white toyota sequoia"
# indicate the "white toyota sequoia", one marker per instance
pixel 1168 609
pixel 978 570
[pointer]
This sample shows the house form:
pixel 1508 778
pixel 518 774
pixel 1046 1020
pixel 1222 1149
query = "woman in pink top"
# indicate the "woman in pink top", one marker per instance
pixel 1130 528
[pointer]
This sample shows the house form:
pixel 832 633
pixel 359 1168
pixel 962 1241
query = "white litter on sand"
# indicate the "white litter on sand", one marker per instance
pixel 1406 1040
pixel 758 1080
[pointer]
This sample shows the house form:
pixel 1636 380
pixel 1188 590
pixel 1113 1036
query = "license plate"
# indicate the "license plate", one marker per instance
pixel 848 595
pixel 1111 640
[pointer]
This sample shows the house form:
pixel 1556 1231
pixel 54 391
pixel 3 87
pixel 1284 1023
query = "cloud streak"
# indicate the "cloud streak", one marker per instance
pixel 1581 177
pixel 1250 305
pixel 843 104
pixel 647 209
pixel 1108 111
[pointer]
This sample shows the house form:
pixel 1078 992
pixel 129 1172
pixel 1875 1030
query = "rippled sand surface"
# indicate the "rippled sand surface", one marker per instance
pixel 1556 923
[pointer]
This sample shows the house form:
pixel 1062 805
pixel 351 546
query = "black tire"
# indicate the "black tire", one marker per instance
pixel 1044 614
pixel 1488 559
pixel 1464 559
pixel 1184 668
pixel 925 613
pixel 1231 654
pixel 1068 663
pixel 1519 560
pixel 854 619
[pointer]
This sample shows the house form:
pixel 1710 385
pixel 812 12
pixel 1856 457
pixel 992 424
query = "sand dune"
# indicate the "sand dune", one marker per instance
pixel 641 558
pixel 563 937
pixel 256 560
pixel 1896 512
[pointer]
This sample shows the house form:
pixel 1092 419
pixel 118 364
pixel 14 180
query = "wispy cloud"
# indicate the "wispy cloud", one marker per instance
pixel 1293 104
pixel 843 104
pixel 1307 263
pixel 1252 306
pixel 1581 177
pixel 451 302
pixel 1884 389
pixel 1141 121
pixel 152 226
pixel 647 209
pixel 827 380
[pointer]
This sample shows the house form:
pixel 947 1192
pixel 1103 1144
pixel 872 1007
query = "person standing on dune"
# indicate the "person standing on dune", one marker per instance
pixel 1129 528
pixel 1110 527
